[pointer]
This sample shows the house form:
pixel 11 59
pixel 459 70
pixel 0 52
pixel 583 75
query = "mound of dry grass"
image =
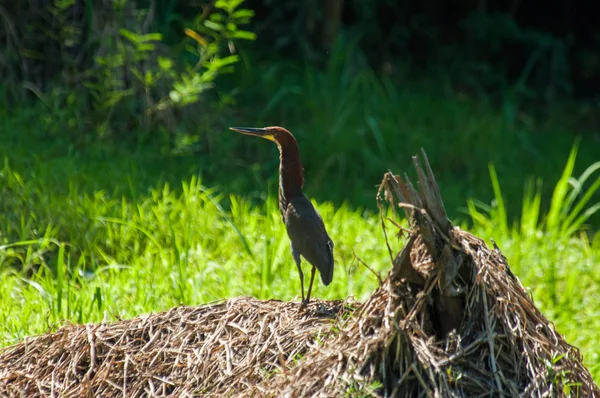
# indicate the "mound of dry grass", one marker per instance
pixel 214 349
pixel 450 320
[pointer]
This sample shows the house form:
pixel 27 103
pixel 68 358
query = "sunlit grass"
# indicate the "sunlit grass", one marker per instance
pixel 552 253
pixel 353 124
pixel 92 229
pixel 66 255
pixel 126 257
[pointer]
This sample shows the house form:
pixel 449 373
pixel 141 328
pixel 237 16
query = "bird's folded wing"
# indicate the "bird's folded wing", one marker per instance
pixel 309 237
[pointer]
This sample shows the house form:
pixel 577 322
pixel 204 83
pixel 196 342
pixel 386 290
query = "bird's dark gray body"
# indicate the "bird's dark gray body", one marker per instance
pixel 308 236
pixel 303 223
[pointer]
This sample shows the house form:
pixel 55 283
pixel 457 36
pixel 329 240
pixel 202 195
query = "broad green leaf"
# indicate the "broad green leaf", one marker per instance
pixel 242 34
pixel 213 25
pixel 165 63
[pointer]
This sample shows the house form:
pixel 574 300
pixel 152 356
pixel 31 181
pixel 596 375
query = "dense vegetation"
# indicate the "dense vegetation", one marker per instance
pixel 122 192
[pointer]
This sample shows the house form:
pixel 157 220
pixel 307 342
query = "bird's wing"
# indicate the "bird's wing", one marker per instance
pixel 309 237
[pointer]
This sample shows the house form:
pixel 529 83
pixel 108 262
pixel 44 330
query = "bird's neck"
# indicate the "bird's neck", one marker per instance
pixel 291 176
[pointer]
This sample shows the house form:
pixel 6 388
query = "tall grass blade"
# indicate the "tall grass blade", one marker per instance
pixel 229 221
pixel 530 210
pixel 559 204
pixel 60 278
pixel 501 217
pixel 574 220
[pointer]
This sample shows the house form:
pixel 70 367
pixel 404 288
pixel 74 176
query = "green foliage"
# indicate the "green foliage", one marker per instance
pixel 567 215
pixel 569 209
pixel 35 40
pixel 70 250
pixel 484 66
pixel 499 49
pixel 122 75
pixel 105 231
pixel 353 124
pixel 161 79
pixel 128 256
pixel 549 248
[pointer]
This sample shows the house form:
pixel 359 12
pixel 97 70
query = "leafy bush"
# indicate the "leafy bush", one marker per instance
pixel 480 47
pixel 556 229
pixel 108 60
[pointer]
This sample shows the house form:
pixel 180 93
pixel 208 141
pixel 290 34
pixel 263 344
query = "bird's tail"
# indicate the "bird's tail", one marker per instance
pixel 327 276
pixel 327 272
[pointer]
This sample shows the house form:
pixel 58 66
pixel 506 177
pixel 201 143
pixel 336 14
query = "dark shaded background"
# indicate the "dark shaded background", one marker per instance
pixel 487 41
pixel 527 72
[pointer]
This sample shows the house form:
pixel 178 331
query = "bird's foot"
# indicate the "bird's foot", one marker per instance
pixel 303 305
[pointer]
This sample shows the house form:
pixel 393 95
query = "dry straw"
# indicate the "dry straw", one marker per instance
pixel 450 320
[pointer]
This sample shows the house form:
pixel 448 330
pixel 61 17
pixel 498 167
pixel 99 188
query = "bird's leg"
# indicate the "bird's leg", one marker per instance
pixel 297 260
pixel 312 278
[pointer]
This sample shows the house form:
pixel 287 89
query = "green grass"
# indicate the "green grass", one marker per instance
pixel 553 251
pixel 70 255
pixel 355 125
pixel 94 229
pixel 97 254
pixel 352 125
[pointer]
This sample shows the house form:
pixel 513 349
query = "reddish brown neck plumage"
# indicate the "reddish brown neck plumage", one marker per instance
pixel 291 177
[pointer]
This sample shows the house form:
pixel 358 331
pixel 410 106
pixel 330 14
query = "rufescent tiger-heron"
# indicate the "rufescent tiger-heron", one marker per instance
pixel 303 223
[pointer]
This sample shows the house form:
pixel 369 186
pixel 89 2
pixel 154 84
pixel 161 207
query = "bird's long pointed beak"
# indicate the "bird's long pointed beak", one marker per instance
pixel 251 130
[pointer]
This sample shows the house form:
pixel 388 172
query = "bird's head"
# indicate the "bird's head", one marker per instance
pixel 273 133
